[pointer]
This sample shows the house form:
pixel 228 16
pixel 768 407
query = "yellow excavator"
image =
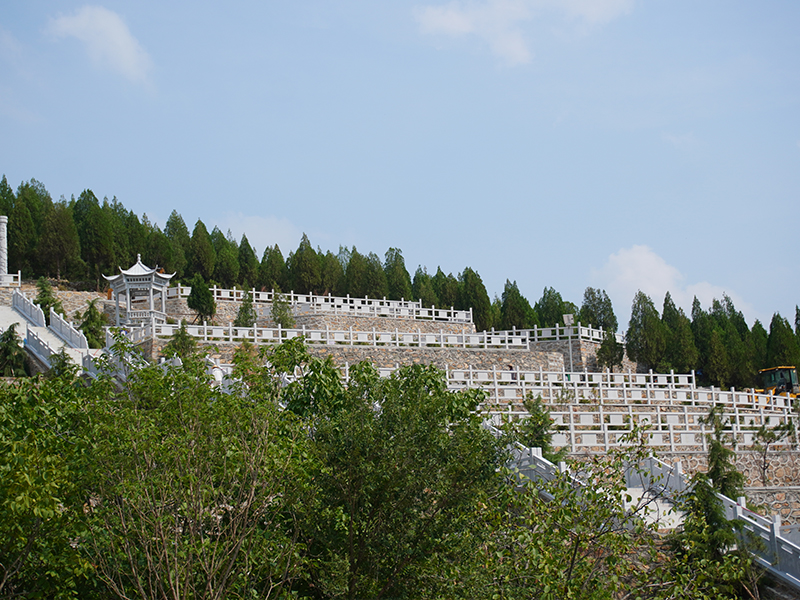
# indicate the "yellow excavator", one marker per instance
pixel 781 381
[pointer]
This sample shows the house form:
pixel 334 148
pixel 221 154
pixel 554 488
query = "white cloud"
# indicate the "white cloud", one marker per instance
pixel 107 39
pixel 639 268
pixel 498 22
pixel 263 231
pixel 680 141
pixel 495 22
pixel 593 11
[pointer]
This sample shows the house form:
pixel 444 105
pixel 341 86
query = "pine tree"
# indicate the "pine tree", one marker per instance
pixel 201 299
pixel 597 310
pixel 398 281
pixel 96 235
pixel 181 344
pixel 422 288
pixel 178 234
pixel 246 317
pixel 782 346
pixel 719 370
pixel 272 272
pixel 304 275
pixel 515 309
pixel 203 258
pixel 550 308
pixel 446 288
pixel 646 336
pixel 472 294
pixel 59 247
pixel 355 275
pixel 93 325
pixel 282 311
pixel 611 352
pixel 226 266
pixel 725 477
pixel 47 299
pixel 248 264
pixel 757 348
pixel 6 197
pixel 375 277
pixel 331 273
pixel 12 356
pixel 680 352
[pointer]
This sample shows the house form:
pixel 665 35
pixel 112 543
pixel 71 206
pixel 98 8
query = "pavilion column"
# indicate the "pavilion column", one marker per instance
pixel 116 296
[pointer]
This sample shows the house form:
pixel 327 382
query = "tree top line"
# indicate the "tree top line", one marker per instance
pixel 82 238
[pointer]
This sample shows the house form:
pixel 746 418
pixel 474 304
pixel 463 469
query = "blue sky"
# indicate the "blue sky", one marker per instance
pixel 622 144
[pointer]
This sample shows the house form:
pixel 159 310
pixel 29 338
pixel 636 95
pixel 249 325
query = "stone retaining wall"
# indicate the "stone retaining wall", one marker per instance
pixel 228 310
pixel 783 469
pixel 783 501
pixel 584 355
pixel 387 357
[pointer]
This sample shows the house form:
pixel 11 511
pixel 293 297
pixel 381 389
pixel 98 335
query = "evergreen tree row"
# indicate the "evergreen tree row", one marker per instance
pixel 716 343
pixel 82 239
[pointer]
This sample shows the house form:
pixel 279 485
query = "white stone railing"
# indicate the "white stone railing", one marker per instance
pixel 510 387
pixel 338 305
pixel 32 312
pixel 776 553
pixel 507 340
pixel 145 315
pixel 668 407
pixel 39 346
pixel 11 279
pixel 67 331
pixel 598 428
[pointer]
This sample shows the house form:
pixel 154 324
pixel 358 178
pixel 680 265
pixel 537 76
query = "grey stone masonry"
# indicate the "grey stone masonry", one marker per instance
pixel 388 357
pixel 73 302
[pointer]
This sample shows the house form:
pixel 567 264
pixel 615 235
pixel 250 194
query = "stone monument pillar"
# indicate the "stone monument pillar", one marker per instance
pixel 3 247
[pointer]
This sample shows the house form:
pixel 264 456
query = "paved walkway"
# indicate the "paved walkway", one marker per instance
pixel 9 316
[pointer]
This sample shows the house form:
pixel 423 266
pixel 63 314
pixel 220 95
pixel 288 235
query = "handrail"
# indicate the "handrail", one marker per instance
pixel 507 340
pixel 32 312
pixel 11 279
pixel 779 555
pixel 337 305
pixel 67 331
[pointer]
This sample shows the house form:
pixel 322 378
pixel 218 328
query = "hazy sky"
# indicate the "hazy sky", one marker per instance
pixel 622 144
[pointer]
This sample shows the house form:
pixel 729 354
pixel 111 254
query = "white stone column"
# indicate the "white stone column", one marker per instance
pixel 3 246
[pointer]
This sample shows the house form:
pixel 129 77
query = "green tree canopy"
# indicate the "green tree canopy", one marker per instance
pixel 551 308
pixel 472 294
pixel 59 247
pixel 248 264
pixel 515 310
pixel 203 258
pixel 92 325
pixel 398 281
pixel 331 273
pixel 422 288
pixel 272 272
pixel 446 288
pixel 597 310
pixel 303 267
pixel 178 233
pixel 201 299
pixel 96 234
pixel 646 336
pixel 782 344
